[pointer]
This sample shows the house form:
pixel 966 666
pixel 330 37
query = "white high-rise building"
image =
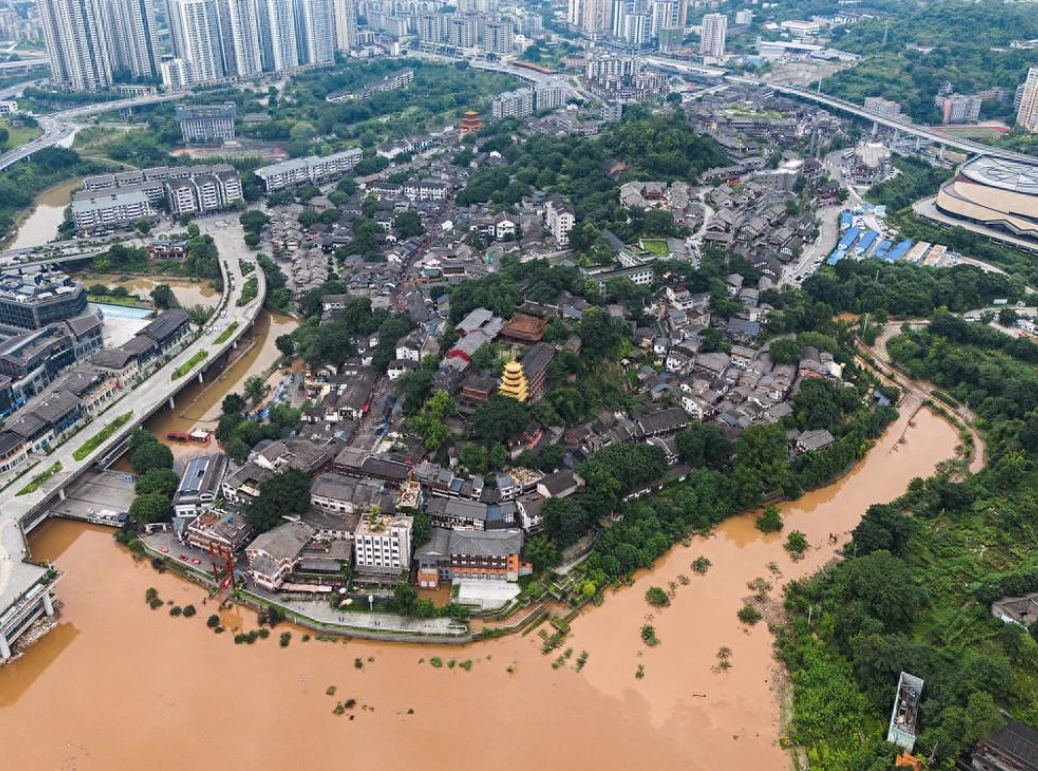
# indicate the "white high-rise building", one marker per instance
pixel 174 74
pixel 240 37
pixel 75 32
pixel 637 31
pixel 345 24
pixel 715 30
pixel 574 12
pixel 278 35
pixel 597 17
pixel 665 15
pixel 1027 113
pixel 132 38
pixel 315 31
pixel 197 39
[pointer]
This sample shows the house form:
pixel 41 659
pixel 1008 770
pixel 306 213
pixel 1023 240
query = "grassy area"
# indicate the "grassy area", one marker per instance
pixel 19 135
pixel 39 479
pixel 129 301
pixel 102 436
pixel 248 291
pixel 656 246
pixel 246 267
pixel 189 365
pixel 227 333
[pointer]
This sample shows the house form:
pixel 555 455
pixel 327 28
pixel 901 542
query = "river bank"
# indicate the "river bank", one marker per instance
pixel 111 655
pixel 39 224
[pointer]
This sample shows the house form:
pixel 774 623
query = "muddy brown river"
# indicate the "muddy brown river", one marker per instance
pixel 119 686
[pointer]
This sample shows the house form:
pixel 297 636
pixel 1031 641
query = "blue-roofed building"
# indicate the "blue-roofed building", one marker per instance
pixel 881 249
pixel 846 220
pixel 899 251
pixel 866 242
pixel 849 238
pixel 837 255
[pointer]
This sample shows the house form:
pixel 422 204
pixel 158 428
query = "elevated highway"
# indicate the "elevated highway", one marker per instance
pixel 57 126
pixel 898 124
pixel 19 577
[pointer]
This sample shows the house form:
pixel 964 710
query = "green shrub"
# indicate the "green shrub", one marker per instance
pixel 770 521
pixel 189 611
pixel 749 615
pixel 656 597
pixel 213 621
pixel 796 544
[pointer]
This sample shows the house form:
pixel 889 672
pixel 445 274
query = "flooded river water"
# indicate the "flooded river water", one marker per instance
pixel 118 685
pixel 40 225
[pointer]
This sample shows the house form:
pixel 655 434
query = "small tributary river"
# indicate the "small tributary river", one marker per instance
pixel 118 685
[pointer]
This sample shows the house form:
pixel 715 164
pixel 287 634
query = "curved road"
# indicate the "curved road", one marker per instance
pixel 16 575
pixel 56 126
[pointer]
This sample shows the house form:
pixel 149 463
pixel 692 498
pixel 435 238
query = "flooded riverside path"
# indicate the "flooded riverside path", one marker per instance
pixel 118 685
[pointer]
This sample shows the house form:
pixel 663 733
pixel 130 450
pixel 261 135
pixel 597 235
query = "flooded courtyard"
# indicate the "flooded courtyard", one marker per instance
pixel 118 685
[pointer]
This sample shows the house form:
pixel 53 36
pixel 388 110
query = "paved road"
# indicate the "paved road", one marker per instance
pixel 57 126
pixel 17 576
pixel 816 252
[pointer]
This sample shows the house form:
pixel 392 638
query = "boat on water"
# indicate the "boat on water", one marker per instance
pixel 199 435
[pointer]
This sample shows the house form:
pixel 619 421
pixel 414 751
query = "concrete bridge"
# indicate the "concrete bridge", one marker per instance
pixel 22 590
pixel 898 124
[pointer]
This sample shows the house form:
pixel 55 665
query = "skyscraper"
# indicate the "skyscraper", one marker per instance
pixel 664 15
pixel 315 31
pixel 75 33
pixel 240 37
pixel 278 35
pixel 345 24
pixel 197 39
pixel 597 17
pixel 132 38
pixel 1027 114
pixel 712 40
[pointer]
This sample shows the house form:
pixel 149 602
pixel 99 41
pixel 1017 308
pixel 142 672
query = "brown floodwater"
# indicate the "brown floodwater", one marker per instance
pixel 188 292
pixel 118 685
pixel 198 405
pixel 40 225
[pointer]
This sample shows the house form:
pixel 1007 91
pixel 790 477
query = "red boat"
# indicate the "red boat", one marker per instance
pixel 198 435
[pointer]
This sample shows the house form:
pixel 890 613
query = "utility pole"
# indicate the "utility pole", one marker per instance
pixel 886 32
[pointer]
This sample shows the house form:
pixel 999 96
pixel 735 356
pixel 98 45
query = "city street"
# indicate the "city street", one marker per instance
pixel 16 576
pixel 815 253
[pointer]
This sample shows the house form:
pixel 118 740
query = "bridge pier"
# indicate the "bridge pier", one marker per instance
pixel 5 648
pixel 48 604
pixel 61 493
pixel 172 405
pixel 200 378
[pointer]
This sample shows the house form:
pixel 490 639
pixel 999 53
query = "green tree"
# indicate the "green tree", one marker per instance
pixel 770 521
pixel 499 419
pixel 542 554
pixel 151 455
pixel 255 389
pixel 284 493
pixel 162 481
pixel 233 404
pixel 704 444
pixel 405 599
pixel 148 508
pixel 408 224
pixel 163 297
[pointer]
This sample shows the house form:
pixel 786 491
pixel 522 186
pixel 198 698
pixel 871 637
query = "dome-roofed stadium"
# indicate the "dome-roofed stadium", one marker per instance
pixel 994 192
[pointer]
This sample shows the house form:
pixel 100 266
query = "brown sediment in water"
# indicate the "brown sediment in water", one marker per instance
pixel 198 405
pixel 188 292
pixel 40 225
pixel 130 687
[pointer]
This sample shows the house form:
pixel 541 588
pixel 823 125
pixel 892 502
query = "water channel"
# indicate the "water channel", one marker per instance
pixel 40 225
pixel 117 685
